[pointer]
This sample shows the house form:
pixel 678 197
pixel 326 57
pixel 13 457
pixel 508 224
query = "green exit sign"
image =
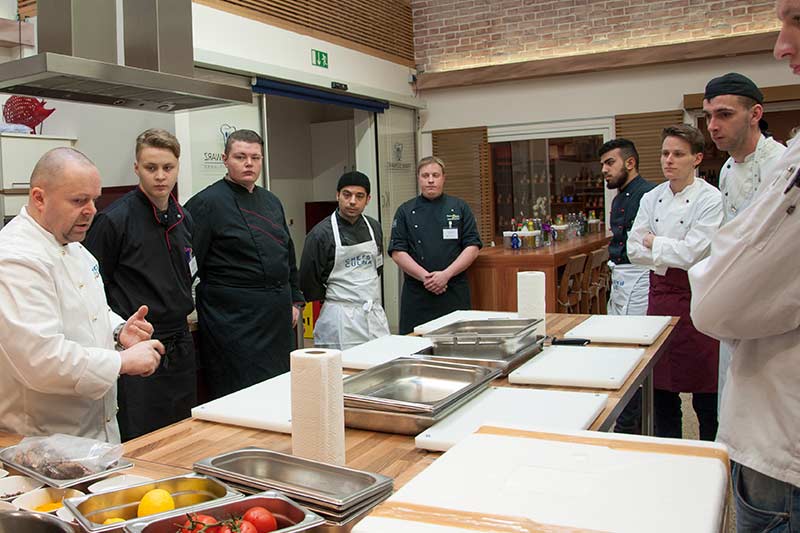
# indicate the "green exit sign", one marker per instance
pixel 319 58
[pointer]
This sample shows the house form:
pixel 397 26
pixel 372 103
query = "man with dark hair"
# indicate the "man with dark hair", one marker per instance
pixel 342 262
pixel 733 109
pixel 748 290
pixel 434 240
pixel 143 243
pixel 630 284
pixel 58 363
pixel 671 233
pixel 248 299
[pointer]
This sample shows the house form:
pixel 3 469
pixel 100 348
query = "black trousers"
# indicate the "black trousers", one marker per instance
pixel 668 415
pixel 163 398
pixel 630 419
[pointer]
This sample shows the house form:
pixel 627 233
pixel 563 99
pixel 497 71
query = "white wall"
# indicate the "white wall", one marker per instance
pixel 236 43
pixel 580 96
pixel 106 135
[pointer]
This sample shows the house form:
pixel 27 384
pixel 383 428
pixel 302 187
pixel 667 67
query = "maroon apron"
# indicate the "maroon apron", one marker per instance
pixel 691 361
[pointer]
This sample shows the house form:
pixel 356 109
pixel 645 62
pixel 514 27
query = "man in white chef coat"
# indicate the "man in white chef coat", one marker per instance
pixel 732 105
pixel 748 291
pixel 58 362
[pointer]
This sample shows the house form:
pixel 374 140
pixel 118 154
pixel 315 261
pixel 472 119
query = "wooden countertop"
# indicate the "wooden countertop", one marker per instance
pixel 545 254
pixel 174 449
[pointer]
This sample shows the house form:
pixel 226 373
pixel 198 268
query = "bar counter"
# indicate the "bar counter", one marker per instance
pixel 493 275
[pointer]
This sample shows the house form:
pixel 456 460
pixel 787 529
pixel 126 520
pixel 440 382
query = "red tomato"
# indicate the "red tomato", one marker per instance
pixel 246 527
pixel 200 521
pixel 262 519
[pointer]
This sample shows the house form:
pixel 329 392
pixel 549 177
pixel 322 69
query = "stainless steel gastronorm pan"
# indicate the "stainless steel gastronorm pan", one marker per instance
pixel 291 517
pixel 189 492
pixel 337 525
pixel 403 423
pixel 507 335
pixel 485 356
pixel 413 385
pixel 330 486
pixel 7 453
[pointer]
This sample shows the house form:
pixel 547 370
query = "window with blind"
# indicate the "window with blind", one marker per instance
pixel 644 129
pixel 466 156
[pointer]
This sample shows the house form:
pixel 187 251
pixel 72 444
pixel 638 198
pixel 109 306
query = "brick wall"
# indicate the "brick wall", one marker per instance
pixel 454 34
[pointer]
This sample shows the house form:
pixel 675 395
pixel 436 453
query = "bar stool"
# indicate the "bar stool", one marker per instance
pixel 569 290
pixel 605 285
pixel 593 288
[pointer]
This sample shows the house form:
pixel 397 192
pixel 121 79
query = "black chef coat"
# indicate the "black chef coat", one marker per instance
pixel 417 229
pixel 623 212
pixel 319 251
pixel 248 282
pixel 144 258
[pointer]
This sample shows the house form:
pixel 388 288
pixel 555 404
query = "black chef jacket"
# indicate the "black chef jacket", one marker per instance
pixel 319 251
pixel 623 212
pixel 248 282
pixel 419 230
pixel 144 258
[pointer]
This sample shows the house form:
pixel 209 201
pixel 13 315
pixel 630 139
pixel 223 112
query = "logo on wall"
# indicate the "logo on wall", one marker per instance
pixel 396 162
pixel 226 130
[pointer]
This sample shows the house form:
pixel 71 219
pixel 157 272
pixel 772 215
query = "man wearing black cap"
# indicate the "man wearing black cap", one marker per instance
pixel 341 264
pixel 733 109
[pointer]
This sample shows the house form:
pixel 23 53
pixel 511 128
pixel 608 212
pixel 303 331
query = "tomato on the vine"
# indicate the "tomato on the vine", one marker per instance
pixel 197 522
pixel 261 518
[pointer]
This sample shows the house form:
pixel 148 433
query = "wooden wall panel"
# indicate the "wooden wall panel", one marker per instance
pixel 644 129
pixel 466 156
pixel 382 28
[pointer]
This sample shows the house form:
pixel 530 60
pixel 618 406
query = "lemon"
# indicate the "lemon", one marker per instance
pixel 155 501
pixel 47 507
pixel 112 521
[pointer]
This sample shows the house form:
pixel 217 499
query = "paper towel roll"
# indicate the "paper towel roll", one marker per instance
pixel 317 405
pixel 531 301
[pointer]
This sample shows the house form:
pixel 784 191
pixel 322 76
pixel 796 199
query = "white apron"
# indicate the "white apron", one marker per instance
pixel 630 286
pixel 352 313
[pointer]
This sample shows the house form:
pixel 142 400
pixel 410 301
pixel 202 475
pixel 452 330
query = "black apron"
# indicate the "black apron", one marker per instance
pixel 418 305
pixel 163 398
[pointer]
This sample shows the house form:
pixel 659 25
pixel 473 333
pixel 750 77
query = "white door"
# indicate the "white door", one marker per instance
pixel 397 160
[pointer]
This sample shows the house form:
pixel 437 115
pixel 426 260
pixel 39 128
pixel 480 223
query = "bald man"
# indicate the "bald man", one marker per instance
pixel 61 347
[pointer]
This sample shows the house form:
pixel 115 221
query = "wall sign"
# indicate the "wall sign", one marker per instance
pixel 319 58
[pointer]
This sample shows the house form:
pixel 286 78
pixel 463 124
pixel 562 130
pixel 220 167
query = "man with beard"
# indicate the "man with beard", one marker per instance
pixel 630 284
pixel 58 363
pixel 733 109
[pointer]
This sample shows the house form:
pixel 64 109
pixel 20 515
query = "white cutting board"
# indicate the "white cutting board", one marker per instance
pixel 457 316
pixel 579 366
pixel 568 484
pixel 517 408
pixel 620 329
pixel 378 351
pixel 266 405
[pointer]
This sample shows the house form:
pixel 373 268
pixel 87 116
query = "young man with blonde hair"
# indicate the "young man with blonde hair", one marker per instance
pixel 143 243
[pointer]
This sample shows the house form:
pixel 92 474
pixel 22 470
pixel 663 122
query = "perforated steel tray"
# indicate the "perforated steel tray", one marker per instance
pixel 504 335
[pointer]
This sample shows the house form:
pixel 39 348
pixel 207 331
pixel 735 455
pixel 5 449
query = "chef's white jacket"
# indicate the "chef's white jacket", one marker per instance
pixel 748 291
pixel 58 366
pixel 683 224
pixel 739 182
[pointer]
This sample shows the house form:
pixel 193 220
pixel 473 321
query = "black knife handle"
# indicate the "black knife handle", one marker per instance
pixel 570 342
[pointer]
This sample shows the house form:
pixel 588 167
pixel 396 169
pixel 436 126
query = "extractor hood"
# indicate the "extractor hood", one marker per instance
pixel 78 50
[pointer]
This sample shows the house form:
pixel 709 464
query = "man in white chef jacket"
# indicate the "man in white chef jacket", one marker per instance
pixel 58 362
pixel 748 291
pixel 732 105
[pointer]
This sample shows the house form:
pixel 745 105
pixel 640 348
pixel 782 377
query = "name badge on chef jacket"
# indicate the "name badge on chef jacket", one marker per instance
pixel 192 261
pixel 450 233
pixel 378 261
